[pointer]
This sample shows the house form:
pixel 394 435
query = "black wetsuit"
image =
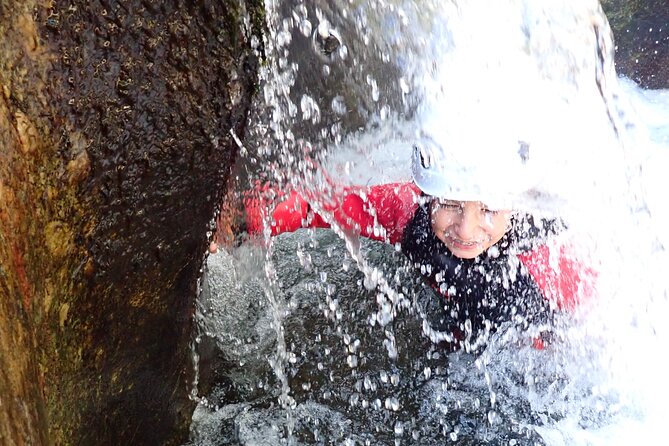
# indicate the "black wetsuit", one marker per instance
pixel 484 292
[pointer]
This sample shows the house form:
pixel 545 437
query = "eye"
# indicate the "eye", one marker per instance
pixel 450 205
pixel 490 211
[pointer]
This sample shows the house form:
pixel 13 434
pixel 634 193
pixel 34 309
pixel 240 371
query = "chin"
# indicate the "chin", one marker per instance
pixel 465 254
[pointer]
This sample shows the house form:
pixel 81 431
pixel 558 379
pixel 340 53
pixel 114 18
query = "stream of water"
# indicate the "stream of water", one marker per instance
pixel 320 337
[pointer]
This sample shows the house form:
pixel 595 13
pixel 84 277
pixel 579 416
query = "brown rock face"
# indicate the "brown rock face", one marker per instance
pixel 116 122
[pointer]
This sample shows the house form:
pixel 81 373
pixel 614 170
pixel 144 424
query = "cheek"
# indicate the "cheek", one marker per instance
pixel 490 221
pixel 441 219
pixel 496 225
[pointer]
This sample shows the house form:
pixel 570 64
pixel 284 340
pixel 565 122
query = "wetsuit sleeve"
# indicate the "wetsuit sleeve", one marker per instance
pixel 562 274
pixel 378 212
pixel 381 212
pixel 290 214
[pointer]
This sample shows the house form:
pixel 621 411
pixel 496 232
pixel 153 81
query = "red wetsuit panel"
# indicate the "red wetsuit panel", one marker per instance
pixel 382 212
pixel 562 278
pixel 288 215
pixel 378 212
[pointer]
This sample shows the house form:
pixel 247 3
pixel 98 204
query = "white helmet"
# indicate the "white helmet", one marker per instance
pixel 502 179
pixel 517 121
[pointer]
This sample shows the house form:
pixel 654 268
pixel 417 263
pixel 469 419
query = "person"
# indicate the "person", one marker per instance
pixel 491 264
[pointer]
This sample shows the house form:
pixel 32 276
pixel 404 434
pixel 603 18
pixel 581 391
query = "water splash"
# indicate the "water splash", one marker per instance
pixel 347 88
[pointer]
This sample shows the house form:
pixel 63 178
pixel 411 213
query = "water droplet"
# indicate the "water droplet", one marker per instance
pixel 283 39
pixel 309 108
pixel 394 379
pixel 391 348
pixel 404 86
pixel 305 27
pixel 393 404
pixel 427 372
pixel 343 52
pixel 367 383
pixel 338 105
pixel 385 315
pixel 375 87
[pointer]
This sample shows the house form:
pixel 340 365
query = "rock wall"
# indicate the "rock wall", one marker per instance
pixel 641 32
pixel 116 122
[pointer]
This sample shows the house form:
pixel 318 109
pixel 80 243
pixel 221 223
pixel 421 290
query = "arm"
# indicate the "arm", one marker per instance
pixel 290 214
pixel 378 212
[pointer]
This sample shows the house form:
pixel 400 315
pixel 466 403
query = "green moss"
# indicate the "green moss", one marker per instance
pixel 639 28
pixel 59 239
pixel 620 12
pixel 258 14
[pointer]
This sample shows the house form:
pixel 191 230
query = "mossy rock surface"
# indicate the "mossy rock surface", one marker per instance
pixel 641 32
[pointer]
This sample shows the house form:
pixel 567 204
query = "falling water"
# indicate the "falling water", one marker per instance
pixel 319 337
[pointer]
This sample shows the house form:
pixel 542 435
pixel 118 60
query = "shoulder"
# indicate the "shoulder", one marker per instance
pixel 394 205
pixel 404 190
pixel 561 269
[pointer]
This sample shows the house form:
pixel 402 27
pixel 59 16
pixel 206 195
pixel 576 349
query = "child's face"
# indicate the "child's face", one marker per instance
pixel 468 228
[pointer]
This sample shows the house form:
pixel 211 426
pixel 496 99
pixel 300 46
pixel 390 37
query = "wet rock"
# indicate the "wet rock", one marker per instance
pixel 112 115
pixel 641 34
pixel 339 363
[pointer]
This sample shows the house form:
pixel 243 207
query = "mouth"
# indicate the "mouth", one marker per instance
pixel 465 245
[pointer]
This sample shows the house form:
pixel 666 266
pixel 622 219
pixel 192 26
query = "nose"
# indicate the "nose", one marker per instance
pixel 468 221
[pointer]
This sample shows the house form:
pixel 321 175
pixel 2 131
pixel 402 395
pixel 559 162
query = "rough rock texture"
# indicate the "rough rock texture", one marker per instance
pixel 641 30
pixel 116 123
